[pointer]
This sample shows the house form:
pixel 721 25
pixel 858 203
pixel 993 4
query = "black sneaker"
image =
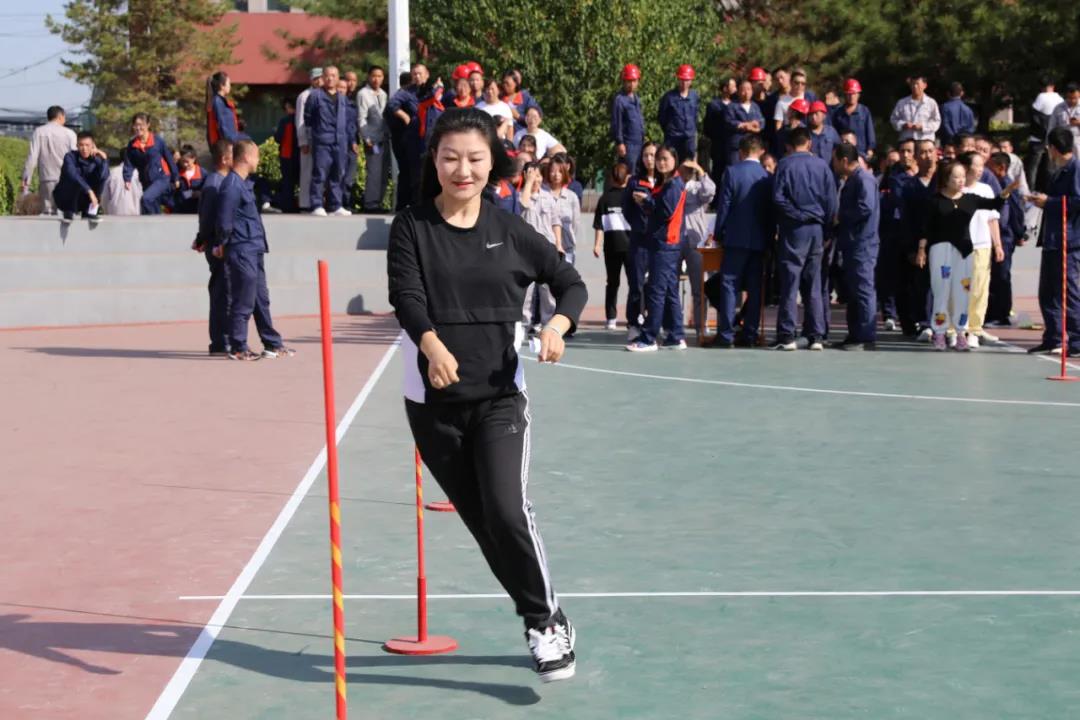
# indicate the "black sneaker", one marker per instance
pixel 552 650
pixel 1048 348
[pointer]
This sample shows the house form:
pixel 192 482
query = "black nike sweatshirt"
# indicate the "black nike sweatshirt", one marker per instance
pixel 468 285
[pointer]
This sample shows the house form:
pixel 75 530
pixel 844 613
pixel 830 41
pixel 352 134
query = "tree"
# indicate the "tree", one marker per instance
pixel 148 56
pixel 570 55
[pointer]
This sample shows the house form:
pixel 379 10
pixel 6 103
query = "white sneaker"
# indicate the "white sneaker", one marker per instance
pixel 890 324
pixel 926 335
pixel 973 341
pixel 985 337
pixel 951 339
pixel 265 206
pixel 639 347
pixel 341 212
pixel 319 212
pixel 816 346
pixel 611 325
pixel 680 345
pixel 786 347
pixel 802 342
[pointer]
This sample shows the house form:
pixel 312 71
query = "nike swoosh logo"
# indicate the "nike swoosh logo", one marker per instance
pixel 492 245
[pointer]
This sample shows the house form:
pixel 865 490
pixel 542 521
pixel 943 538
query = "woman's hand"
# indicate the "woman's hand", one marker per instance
pixel 552 345
pixel 920 258
pixel 999 254
pixel 442 365
pixel 596 250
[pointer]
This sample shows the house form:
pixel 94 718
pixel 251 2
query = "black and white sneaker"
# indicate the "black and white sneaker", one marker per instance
pixel 552 650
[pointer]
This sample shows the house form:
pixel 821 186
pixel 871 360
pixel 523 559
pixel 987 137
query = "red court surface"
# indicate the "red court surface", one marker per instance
pixel 134 464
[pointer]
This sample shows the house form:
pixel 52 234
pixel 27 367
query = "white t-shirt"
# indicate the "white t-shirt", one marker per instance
pixel 980 221
pixel 1046 102
pixel 544 140
pixel 496 109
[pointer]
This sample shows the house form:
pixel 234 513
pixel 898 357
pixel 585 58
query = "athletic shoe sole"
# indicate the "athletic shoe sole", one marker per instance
pixel 563 673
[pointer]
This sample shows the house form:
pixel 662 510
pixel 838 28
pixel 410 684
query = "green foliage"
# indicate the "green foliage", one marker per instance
pixel 13 152
pixel 151 56
pixel 570 55
pixel 356 53
pixel 269 167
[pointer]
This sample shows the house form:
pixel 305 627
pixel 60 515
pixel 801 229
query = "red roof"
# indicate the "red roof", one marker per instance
pixel 262 37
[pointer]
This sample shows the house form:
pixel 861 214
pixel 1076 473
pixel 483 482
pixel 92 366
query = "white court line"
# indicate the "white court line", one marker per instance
pixel 170 696
pixel 821 391
pixel 690 594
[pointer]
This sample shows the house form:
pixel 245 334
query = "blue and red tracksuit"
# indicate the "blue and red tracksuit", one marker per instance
pixel 434 107
pixel 505 197
pixel 664 207
pixel 521 101
pixel 637 255
pixel 156 171
pixel 288 161
pixel 221 121
pixel 186 197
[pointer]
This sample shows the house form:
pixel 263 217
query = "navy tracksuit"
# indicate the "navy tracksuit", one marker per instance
pixel 822 143
pixel 804 193
pixel 1065 184
pixel 745 225
pixel 1013 230
pixel 857 239
pixel 240 230
pixel 859 122
pixel 221 122
pixel 663 235
pixel 218 286
pixel 956 117
pixel 352 133
pixel 186 197
pixel 78 176
pixel 327 117
pixel 156 171
pixel 678 119
pixel 913 299
pixel 734 114
pixel 637 254
pixel 289 162
pixel 894 246
pixel 714 128
pixel 505 197
pixel 404 99
pixel 628 127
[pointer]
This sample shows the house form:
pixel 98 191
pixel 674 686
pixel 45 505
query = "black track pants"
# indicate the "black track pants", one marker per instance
pixel 479 455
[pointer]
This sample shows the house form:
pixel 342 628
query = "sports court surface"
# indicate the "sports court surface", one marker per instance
pixel 736 534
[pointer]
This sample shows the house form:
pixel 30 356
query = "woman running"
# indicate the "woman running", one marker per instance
pixel 458 269
pixel 148 154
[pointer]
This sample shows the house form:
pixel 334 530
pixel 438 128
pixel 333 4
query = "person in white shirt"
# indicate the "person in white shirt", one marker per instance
pixel 496 108
pixel 798 90
pixel 567 205
pixel 916 116
pixel 303 137
pixel 371 103
pixel 985 240
pixel 1067 113
pixel 1041 109
pixel 48 146
pixel 546 144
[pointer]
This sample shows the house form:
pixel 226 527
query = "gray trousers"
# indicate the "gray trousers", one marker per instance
pixel 377 159
pixel 307 162
pixel 45 190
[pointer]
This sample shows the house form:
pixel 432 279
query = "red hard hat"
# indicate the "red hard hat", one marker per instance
pixel 851 85
pixel 631 71
pixel 817 106
pixel 800 105
pixel 758 74
pixel 685 72
pixel 461 72
pixel 473 67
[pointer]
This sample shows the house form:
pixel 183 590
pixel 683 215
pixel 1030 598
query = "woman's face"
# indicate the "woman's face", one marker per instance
pixel 139 128
pixel 491 92
pixel 509 87
pixel 648 158
pixel 556 177
pixel 463 164
pixel 977 166
pixel 227 87
pixel 665 162
pixel 957 178
pixel 532 119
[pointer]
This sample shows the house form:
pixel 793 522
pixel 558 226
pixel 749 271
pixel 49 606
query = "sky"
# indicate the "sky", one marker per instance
pixel 24 40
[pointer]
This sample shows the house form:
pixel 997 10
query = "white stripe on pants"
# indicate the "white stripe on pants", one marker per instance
pixel 950 282
pixel 307 162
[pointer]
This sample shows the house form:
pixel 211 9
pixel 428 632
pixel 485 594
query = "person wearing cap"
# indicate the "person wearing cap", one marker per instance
pixel 760 79
pixel 627 121
pixel 796 118
pixel 853 116
pixel 742 117
pixel 476 80
pixel 956 116
pixel 303 136
pixel 517 98
pixel 678 114
pixel 916 116
pixel 804 195
pixel 823 137
pixel 857 238
pixel 326 115
pixel 797 91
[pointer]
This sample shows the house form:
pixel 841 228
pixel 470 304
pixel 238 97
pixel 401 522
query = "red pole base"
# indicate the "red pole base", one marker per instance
pixel 1064 378
pixel 433 645
pixel 441 506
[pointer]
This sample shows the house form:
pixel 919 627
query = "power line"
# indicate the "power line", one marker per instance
pixel 33 64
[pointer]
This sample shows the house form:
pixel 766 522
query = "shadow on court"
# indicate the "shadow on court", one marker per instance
pixel 59 642
pixel 124 353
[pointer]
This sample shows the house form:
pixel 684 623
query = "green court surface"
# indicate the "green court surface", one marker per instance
pixel 736 534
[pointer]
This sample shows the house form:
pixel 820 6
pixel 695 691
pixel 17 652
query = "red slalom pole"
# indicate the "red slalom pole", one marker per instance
pixel 332 477
pixel 421 643
pixel 1064 376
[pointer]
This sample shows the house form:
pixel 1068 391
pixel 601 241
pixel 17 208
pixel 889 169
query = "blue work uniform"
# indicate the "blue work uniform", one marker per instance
pixel 637 254
pixel 405 100
pixel 780 139
pixel 1064 185
pixel 956 118
pixel 1013 231
pixel 860 122
pixel 327 117
pixel 78 177
pixel 664 208
pixel 822 143
pixel 804 195
pixel 857 238
pixel 678 119
pixel 628 128
pixel 734 114
pixel 156 171
pixel 716 130
pixel 218 286
pixel 745 227
pixel 240 229
pixel 894 246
